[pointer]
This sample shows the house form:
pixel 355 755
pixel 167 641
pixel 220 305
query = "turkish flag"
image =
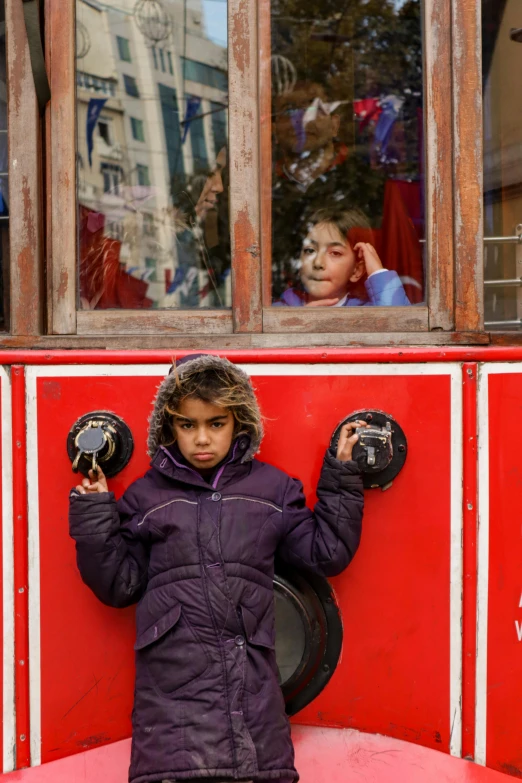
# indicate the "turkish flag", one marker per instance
pixel 103 282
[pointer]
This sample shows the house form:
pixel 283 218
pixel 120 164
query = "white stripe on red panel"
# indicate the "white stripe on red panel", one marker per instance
pixel 8 674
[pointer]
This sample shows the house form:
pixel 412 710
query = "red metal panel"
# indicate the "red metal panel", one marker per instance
pixel 87 666
pixel 272 355
pixel 504 648
pixel 322 756
pixel 393 677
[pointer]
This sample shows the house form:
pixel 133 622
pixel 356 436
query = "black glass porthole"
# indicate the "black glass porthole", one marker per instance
pixel 309 635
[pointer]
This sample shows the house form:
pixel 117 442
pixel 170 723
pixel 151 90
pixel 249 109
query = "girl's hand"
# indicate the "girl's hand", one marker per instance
pixel 97 483
pixel 367 253
pixel 347 440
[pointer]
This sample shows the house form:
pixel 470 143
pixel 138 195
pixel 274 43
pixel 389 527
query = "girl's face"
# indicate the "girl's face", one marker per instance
pixel 328 263
pixel 203 432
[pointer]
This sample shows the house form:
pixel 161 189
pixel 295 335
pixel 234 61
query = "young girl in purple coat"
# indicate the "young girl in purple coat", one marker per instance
pixel 193 542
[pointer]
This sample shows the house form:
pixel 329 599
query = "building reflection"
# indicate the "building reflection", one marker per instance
pixel 152 121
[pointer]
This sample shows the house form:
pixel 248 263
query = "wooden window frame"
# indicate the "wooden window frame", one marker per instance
pixel 453 188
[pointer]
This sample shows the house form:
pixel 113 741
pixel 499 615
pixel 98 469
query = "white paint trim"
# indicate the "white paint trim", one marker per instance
pixel 8 660
pixel 97 370
pixel 456 564
pixel 481 672
pixel 145 370
pixel 348 369
pixel 451 369
pixel 35 718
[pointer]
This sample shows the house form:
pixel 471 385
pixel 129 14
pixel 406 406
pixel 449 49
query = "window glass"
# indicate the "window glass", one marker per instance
pixel 131 85
pixel 123 49
pixel 138 132
pixel 152 155
pixel 143 175
pixel 348 223
pixel 501 64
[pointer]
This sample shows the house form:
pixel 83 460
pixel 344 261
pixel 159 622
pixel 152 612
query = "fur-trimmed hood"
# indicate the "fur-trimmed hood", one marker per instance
pixel 188 365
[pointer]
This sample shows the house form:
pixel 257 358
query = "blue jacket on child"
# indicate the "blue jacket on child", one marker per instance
pixel 383 289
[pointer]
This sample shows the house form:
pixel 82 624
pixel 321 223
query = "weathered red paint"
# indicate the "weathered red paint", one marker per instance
pixel 275 356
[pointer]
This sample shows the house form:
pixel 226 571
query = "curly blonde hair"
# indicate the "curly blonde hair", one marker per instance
pixel 216 385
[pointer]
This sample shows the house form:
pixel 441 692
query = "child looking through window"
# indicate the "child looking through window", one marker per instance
pixel 339 267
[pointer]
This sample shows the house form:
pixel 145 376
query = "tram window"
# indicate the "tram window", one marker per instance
pixel 501 66
pixel 347 153
pixel 155 157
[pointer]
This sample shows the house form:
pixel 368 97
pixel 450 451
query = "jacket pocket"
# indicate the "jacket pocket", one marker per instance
pixel 170 649
pixel 261 664
pixel 258 634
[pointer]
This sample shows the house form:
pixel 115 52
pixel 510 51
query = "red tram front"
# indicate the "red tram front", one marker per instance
pixel 330 196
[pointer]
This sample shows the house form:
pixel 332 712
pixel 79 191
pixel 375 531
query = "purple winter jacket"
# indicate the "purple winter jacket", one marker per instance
pixel 198 557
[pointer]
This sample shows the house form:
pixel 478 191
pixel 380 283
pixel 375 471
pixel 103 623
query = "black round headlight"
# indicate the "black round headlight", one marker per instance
pixel 309 635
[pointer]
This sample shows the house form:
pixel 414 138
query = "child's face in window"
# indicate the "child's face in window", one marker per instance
pixel 213 186
pixel 328 263
pixel 204 432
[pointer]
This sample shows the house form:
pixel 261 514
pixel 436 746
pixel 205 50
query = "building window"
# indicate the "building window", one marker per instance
pixel 219 125
pixel 149 228
pixel 169 58
pixel 171 124
pixel 204 74
pixel 131 86
pixel 112 177
pixel 138 132
pixel 197 139
pixel 123 49
pixel 143 175
pixel 105 131
pixel 114 230
pixel 155 57
pixel 162 60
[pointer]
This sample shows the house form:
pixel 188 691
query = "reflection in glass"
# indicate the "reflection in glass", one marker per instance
pixel 152 154
pixel 347 104
pixel 501 65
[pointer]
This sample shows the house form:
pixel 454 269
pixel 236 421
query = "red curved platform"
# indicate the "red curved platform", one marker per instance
pixel 322 756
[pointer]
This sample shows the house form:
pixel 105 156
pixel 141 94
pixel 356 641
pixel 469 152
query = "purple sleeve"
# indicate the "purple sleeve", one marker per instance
pixel 325 540
pixel 111 555
pixel 385 289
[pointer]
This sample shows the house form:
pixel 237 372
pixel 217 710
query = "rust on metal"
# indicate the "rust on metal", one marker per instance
pixel 247 283
pixel 62 152
pixel 25 202
pixel 265 147
pixel 467 100
pixel 244 167
pixel 439 173
pixel 239 35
